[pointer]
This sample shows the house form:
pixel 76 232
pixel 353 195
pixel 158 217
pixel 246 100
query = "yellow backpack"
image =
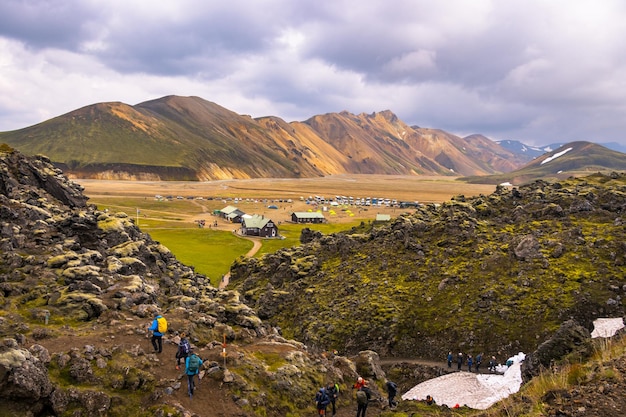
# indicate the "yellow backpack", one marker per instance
pixel 161 325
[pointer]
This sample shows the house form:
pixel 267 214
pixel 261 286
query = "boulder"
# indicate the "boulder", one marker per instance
pixel 570 339
pixel 23 377
pixel 527 248
pixel 368 365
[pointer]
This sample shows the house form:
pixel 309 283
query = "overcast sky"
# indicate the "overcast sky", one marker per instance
pixel 537 71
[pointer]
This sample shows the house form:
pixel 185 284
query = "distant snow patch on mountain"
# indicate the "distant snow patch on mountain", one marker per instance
pixel 556 155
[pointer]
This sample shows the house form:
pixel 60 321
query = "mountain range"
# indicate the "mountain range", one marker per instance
pixel 189 138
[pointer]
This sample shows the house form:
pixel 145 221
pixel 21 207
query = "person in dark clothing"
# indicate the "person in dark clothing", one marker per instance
pixel 449 360
pixel 459 360
pixel 321 401
pixel 183 350
pixel 392 390
pixel 479 360
pixel 492 364
pixel 333 390
pixel 470 362
pixel 363 396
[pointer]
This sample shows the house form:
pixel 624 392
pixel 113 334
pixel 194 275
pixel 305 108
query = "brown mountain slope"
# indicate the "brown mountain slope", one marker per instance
pixel 188 138
pixel 501 160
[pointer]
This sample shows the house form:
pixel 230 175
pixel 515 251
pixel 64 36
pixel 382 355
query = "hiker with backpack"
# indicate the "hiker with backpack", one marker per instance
pixel 321 401
pixel 333 391
pixel 363 396
pixel 192 368
pixel 183 350
pixel 392 390
pixel 158 329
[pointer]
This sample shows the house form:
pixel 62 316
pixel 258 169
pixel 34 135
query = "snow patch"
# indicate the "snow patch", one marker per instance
pixel 481 391
pixel 556 155
pixel 478 391
pixel 607 327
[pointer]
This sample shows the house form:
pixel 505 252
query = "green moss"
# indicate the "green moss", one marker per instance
pixel 429 277
pixel 273 361
pixel 114 223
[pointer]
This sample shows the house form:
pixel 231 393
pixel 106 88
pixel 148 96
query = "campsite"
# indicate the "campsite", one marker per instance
pixel 211 249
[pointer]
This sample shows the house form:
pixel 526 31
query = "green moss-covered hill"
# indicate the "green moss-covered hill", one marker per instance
pixel 495 273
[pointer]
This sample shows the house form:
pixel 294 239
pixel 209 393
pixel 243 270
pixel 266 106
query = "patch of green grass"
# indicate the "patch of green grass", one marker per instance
pixel 210 252
pixel 273 361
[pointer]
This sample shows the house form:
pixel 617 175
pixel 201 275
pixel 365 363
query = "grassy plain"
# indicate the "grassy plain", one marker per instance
pixel 212 249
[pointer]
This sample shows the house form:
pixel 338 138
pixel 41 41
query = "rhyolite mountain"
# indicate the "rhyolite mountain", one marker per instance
pixel 188 138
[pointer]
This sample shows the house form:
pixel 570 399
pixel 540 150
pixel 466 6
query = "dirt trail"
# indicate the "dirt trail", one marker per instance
pixel 212 398
pixel 255 248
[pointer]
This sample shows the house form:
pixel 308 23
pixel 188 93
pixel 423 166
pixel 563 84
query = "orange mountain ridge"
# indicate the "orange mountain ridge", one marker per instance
pixel 189 138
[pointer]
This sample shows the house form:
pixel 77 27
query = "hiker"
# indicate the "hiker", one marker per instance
pixel 470 362
pixel 363 396
pixel 321 401
pixel 359 383
pixel 430 400
pixel 183 350
pixel 479 360
pixel 192 368
pixel 450 360
pixel 459 360
pixel 333 391
pixel 392 390
pixel 492 364
pixel 158 328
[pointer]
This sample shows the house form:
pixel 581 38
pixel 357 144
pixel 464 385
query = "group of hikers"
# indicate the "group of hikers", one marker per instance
pixel 327 396
pixel 185 352
pixel 471 362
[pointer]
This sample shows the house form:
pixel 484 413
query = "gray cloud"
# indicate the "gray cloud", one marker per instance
pixel 530 70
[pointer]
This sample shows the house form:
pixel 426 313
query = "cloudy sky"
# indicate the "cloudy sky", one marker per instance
pixel 538 71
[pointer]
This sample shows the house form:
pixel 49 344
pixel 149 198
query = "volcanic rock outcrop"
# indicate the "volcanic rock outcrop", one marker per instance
pixel 78 288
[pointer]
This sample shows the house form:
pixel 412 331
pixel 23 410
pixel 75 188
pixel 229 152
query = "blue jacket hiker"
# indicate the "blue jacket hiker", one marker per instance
pixel 479 360
pixel 321 401
pixel 158 328
pixel 192 368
